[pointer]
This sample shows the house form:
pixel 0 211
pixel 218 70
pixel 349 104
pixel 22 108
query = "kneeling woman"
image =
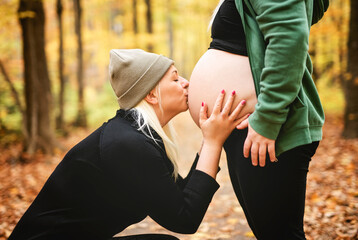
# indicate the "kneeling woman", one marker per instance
pixel 126 170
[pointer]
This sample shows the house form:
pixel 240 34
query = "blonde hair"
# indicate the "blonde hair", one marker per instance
pixel 146 118
pixel 214 14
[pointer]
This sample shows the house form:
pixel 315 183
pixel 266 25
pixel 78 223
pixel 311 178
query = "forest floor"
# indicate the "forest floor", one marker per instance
pixel 332 192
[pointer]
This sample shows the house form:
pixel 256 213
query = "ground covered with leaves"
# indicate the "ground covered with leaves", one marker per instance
pixel 332 193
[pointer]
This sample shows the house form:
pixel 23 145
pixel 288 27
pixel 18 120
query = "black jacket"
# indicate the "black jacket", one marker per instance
pixel 114 178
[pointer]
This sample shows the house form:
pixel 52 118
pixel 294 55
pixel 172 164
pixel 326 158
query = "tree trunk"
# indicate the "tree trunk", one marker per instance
pixel 149 16
pixel 341 43
pixel 16 96
pixel 81 120
pixel 351 84
pixel 149 24
pixel 60 116
pixel 170 30
pixel 38 96
pixel 135 22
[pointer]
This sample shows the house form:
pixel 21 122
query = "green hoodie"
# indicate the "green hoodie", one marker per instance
pixel 277 31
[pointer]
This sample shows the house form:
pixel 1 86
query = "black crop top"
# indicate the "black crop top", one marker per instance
pixel 227 31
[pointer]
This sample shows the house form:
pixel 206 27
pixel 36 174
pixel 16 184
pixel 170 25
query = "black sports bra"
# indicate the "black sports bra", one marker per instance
pixel 227 31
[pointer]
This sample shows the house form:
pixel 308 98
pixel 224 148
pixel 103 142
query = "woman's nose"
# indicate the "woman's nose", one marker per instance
pixel 184 82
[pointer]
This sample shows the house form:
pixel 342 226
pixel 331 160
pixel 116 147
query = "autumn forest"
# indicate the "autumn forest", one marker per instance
pixel 54 90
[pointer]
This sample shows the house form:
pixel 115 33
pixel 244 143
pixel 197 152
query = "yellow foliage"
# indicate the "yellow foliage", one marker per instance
pixel 27 14
pixel 178 25
pixel 249 234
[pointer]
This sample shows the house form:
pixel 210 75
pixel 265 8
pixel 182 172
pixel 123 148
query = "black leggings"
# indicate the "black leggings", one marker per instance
pixel 272 197
pixel 147 237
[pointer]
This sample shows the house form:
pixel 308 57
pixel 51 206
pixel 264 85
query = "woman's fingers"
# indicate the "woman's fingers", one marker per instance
pixel 228 104
pixel 258 146
pixel 238 109
pixel 219 103
pixel 203 113
pixel 247 147
pixel 243 122
pixel 254 153
pixel 262 154
pixel 272 153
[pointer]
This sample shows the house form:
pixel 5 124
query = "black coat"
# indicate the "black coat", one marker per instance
pixel 114 178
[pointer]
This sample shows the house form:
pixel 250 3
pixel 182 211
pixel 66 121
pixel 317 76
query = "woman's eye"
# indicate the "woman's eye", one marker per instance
pixel 176 80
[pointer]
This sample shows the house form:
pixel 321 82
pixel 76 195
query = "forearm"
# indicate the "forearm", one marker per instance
pixel 215 131
pixel 209 158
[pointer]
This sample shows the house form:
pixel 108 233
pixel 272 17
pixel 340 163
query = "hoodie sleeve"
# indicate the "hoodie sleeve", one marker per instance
pixel 177 208
pixel 285 27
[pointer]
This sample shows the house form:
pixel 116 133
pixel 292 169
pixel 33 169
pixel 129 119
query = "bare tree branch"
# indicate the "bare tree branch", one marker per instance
pixel 14 92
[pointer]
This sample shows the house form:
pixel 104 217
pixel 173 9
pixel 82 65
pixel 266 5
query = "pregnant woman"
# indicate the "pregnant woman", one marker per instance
pixel 126 169
pixel 260 49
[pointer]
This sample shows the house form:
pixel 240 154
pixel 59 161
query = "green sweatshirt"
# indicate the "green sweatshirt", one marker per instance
pixel 288 109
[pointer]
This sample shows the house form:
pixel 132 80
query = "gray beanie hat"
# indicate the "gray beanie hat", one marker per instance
pixel 134 73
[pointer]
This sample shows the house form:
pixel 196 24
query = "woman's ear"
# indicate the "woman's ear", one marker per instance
pixel 152 98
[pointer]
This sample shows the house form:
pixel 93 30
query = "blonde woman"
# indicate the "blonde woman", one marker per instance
pixel 260 49
pixel 126 170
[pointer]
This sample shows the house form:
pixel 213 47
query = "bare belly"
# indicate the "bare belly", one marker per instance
pixel 217 70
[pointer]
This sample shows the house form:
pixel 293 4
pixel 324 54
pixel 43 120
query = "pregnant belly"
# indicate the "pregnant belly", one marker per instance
pixel 217 70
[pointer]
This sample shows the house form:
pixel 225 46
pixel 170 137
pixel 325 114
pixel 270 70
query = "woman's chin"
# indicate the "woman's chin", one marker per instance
pixel 185 106
pixel 185 109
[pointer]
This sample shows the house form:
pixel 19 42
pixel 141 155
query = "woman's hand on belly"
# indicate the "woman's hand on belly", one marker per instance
pixel 216 129
pixel 223 119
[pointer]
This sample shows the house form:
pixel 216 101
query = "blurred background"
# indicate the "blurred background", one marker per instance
pixel 54 90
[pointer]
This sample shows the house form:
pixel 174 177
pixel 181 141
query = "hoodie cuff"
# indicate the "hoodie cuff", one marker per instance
pixel 263 127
